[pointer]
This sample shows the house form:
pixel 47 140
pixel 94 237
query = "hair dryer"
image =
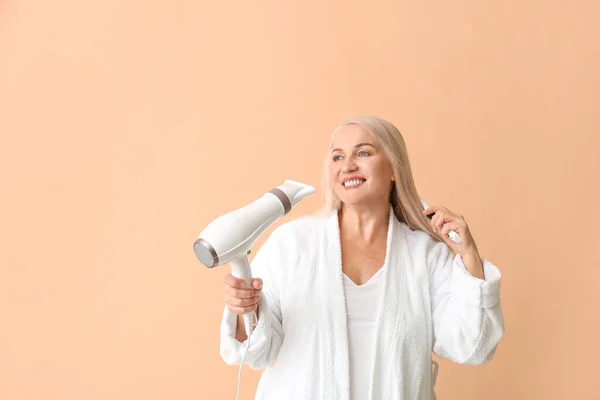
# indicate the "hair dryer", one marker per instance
pixel 229 237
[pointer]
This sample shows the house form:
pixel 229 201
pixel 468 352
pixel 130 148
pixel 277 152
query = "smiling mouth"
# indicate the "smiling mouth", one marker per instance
pixel 354 183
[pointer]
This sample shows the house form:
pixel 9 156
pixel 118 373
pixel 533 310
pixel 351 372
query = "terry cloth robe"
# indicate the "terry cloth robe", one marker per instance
pixel 430 303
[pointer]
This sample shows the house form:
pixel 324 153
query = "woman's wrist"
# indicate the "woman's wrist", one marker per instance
pixel 473 263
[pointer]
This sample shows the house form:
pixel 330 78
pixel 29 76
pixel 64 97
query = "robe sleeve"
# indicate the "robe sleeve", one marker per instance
pixel 466 314
pixel 267 337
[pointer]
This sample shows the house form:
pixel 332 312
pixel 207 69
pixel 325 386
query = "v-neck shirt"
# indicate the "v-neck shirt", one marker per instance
pixel 362 308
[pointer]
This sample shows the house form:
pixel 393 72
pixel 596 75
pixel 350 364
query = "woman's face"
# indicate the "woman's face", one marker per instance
pixel 359 170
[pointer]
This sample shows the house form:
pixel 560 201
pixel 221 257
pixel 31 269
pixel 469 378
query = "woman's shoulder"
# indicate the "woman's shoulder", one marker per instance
pixel 414 235
pixel 422 245
pixel 419 240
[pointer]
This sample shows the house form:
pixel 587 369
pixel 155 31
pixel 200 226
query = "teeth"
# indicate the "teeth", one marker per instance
pixel 353 182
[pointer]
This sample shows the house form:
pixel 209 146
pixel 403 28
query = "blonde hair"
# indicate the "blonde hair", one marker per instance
pixel 404 198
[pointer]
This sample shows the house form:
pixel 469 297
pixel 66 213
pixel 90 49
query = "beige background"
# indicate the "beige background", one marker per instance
pixel 126 127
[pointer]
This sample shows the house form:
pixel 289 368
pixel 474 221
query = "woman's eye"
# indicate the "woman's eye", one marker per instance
pixel 365 152
pixel 335 158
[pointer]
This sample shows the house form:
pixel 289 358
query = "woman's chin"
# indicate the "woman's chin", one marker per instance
pixel 351 199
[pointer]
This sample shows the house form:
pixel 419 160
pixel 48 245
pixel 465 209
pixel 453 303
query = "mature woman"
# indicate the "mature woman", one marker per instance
pixel 352 302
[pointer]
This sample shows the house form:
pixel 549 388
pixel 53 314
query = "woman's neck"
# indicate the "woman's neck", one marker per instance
pixel 366 223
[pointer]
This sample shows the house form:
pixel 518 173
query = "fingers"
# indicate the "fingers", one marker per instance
pixel 243 302
pixel 443 217
pixel 437 209
pixel 234 282
pixel 438 220
pixel 435 222
pixel 430 210
pixel 449 226
pixel 243 306
pixel 241 310
pixel 239 293
pixel 257 283
pixel 240 300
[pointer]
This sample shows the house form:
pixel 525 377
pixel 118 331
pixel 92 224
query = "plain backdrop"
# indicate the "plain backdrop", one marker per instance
pixel 126 127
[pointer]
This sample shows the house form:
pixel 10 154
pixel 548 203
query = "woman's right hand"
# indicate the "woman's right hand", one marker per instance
pixel 239 299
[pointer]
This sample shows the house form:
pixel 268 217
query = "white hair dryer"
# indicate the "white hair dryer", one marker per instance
pixel 229 237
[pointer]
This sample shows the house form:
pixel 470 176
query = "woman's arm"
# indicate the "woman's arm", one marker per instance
pixel 466 314
pixel 267 337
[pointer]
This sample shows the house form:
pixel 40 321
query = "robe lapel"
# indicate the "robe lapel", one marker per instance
pixel 381 353
pixel 337 316
pixel 337 320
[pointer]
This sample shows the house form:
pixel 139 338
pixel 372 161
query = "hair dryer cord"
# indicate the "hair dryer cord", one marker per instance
pixel 237 397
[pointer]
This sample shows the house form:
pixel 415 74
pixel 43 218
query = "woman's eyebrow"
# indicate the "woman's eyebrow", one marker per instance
pixel 356 147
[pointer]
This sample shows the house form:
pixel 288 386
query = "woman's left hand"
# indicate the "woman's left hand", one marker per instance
pixel 445 221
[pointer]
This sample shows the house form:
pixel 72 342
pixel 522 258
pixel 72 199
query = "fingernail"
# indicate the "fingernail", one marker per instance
pixel 242 284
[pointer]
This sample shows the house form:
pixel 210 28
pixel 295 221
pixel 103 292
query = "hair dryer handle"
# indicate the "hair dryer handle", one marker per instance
pixel 240 268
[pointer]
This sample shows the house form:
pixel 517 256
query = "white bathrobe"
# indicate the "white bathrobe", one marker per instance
pixel 430 303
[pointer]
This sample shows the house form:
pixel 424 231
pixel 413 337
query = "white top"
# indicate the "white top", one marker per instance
pixel 300 342
pixel 362 306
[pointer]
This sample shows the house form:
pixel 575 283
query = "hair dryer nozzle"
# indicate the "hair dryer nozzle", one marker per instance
pixel 206 253
pixel 296 191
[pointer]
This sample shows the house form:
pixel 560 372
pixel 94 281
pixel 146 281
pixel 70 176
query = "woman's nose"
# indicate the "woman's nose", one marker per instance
pixel 349 165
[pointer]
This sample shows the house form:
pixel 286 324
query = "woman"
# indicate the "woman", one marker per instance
pixel 352 302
